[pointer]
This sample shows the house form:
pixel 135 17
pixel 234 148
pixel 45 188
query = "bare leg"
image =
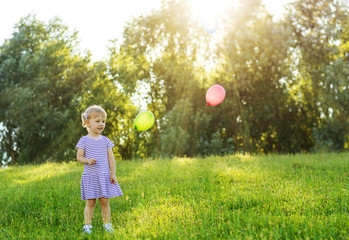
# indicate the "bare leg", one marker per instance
pixel 104 202
pixel 90 205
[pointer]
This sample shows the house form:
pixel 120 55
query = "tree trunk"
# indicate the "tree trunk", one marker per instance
pixel 246 136
pixel 9 145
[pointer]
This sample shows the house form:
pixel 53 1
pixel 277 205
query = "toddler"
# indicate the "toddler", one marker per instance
pixel 98 179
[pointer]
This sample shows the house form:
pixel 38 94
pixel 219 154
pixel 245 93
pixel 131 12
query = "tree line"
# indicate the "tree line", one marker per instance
pixel 286 83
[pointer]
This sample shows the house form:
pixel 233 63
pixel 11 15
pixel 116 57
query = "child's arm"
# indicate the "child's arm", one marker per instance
pixel 112 166
pixel 80 157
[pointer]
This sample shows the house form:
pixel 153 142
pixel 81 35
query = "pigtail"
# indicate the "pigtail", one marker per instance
pixel 84 119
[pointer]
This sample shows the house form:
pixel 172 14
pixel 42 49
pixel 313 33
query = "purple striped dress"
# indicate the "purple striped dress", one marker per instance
pixel 95 180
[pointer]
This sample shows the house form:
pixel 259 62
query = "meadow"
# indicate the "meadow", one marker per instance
pixel 303 196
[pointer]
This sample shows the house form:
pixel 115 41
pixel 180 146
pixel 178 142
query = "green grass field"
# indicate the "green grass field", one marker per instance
pixel 232 197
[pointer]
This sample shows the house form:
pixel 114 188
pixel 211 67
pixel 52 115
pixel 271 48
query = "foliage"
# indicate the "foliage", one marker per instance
pixel 157 53
pixel 254 51
pixel 41 72
pixel 321 70
pixel 286 83
pixel 98 88
pixel 46 85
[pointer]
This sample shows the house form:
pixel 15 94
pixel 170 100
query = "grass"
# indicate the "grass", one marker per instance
pixel 233 197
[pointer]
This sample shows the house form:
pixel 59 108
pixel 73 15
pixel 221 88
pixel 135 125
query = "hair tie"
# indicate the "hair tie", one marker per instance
pixel 86 116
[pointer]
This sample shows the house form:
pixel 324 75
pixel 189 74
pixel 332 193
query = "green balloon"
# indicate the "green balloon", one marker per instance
pixel 144 121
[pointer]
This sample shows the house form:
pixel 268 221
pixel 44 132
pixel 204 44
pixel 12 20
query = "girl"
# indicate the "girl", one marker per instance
pixel 98 179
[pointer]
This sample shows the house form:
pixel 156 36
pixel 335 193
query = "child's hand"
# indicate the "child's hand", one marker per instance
pixel 91 161
pixel 112 178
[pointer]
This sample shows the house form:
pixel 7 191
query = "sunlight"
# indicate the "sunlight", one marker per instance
pixel 215 7
pixel 210 13
pixel 35 173
pixel 245 157
pixel 183 160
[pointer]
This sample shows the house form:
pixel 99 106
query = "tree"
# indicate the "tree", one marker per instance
pixel 158 54
pixel 319 35
pixel 41 75
pixel 253 68
pixel 98 88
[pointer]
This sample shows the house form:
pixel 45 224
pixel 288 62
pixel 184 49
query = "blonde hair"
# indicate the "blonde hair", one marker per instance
pixel 92 112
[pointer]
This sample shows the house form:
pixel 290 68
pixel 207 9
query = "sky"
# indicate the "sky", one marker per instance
pixel 97 21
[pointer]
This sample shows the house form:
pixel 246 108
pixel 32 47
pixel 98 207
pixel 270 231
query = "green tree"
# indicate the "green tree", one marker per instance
pixel 320 38
pixel 158 54
pixel 41 74
pixel 100 89
pixel 253 69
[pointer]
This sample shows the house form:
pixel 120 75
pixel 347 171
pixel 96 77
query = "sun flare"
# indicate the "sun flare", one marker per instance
pixel 215 7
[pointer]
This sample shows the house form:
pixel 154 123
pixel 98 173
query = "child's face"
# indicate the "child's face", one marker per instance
pixel 96 125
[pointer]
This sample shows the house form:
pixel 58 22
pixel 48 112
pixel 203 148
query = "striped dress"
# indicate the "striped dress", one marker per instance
pixel 95 180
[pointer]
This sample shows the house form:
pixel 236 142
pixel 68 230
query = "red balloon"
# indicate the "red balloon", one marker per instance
pixel 215 95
